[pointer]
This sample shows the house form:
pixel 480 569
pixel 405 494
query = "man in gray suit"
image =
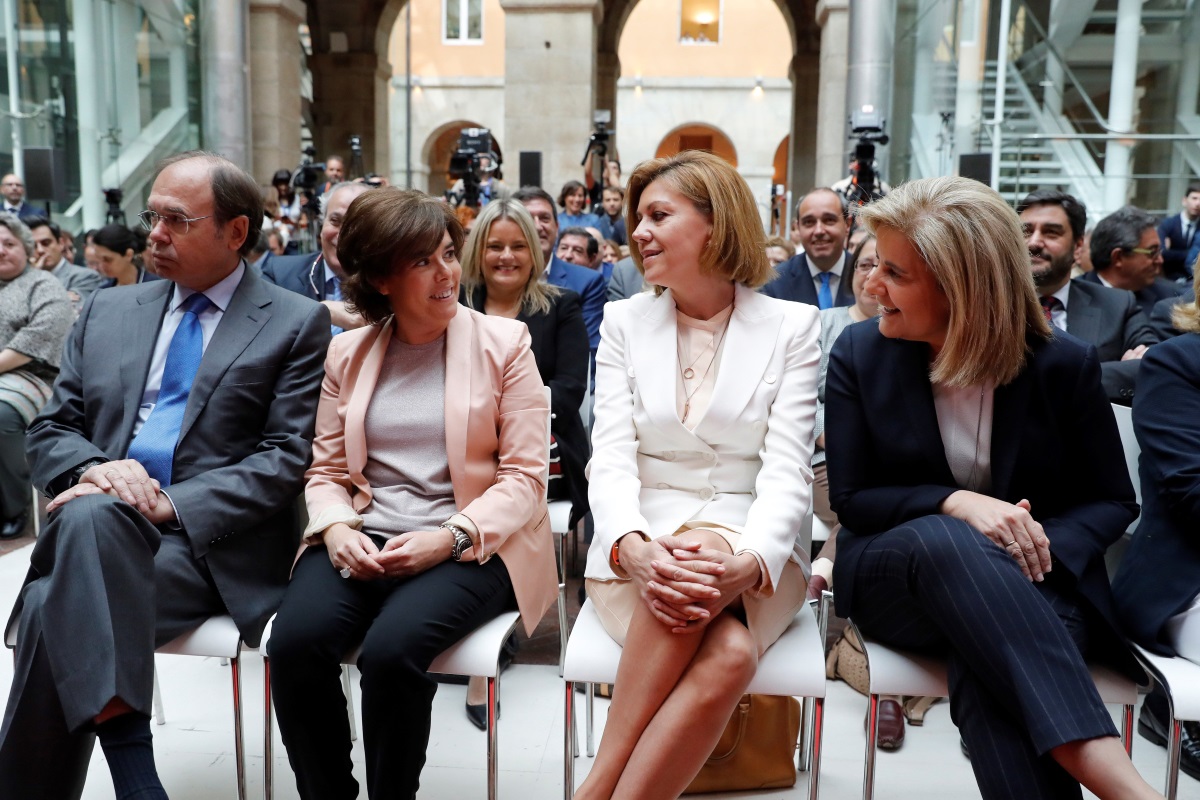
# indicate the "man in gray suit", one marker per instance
pixel 1108 319
pixel 626 280
pixel 48 254
pixel 174 461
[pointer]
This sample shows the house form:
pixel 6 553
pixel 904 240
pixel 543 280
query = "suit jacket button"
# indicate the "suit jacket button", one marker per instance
pixel 769 377
pixel 664 486
pixel 630 371
pixel 710 456
pixel 706 494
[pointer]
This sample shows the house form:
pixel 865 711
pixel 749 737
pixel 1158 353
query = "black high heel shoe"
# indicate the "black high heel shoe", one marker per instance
pixel 478 714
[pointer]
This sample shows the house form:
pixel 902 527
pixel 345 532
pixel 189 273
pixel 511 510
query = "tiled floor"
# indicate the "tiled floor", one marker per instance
pixel 195 747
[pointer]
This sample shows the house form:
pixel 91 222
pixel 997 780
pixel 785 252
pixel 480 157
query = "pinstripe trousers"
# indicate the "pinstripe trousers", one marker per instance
pixel 1018 683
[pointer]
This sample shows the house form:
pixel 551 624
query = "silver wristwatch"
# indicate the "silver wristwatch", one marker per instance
pixel 462 541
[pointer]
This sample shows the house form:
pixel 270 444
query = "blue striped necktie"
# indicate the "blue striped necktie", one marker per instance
pixel 154 446
pixel 824 295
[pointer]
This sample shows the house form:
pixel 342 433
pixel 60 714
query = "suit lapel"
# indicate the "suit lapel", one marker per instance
pixel 1008 421
pixel 241 322
pixel 655 377
pixel 365 379
pixel 145 320
pixel 459 365
pixel 912 390
pixel 1083 319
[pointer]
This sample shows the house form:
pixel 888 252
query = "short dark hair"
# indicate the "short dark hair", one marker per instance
pixel 1192 187
pixel 42 222
pixel 263 244
pixel 117 238
pixel 593 246
pixel 235 192
pixel 570 188
pixel 527 193
pixel 841 199
pixel 619 190
pixel 1075 210
pixel 1120 230
pixel 384 230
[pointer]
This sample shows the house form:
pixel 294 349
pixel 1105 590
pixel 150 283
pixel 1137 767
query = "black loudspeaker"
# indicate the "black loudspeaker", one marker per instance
pixel 531 168
pixel 45 176
pixel 976 166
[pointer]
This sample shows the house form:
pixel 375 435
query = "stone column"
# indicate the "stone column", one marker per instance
pixel 608 72
pixel 1118 156
pixel 275 84
pixel 350 96
pixel 224 27
pixel 869 74
pixel 90 88
pixel 832 145
pixel 549 87
pixel 806 83
pixel 759 181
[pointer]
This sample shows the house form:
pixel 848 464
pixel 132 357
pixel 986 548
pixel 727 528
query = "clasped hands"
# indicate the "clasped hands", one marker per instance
pixel 683 584
pixel 1009 525
pixel 402 556
pixel 126 480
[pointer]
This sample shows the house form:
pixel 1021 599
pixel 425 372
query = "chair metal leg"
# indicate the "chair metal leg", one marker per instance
pixel 349 702
pixel 1174 751
pixel 1127 729
pixel 822 610
pixel 37 512
pixel 814 772
pixel 589 706
pixel 268 734
pixel 562 625
pixel 239 743
pixel 569 741
pixel 872 733
pixel 806 735
pixel 159 715
pixel 493 763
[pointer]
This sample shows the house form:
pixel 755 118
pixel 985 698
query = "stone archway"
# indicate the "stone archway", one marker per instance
pixel 698 136
pixel 436 152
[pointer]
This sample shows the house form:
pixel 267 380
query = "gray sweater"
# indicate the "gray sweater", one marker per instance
pixel 35 316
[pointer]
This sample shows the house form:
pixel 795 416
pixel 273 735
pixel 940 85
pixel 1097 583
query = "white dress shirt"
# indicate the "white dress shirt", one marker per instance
pixel 835 275
pixel 1058 317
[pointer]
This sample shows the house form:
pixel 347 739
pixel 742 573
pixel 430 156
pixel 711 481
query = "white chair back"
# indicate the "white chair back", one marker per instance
pixel 1129 443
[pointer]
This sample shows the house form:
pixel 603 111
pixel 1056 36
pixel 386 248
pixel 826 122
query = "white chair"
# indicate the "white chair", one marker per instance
pixel 216 637
pixel 1180 680
pixel 794 665
pixel 1129 443
pixel 904 673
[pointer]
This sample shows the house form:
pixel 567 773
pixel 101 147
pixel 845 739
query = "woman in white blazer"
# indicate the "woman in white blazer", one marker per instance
pixel 700 478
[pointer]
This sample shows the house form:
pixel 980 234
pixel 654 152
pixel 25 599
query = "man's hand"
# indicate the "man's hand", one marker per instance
pixel 129 480
pixel 414 552
pixel 340 316
pixel 162 513
pixel 1135 353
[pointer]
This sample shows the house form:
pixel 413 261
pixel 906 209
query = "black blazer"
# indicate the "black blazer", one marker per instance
pixel 795 282
pixel 300 274
pixel 559 340
pixel 1160 317
pixel 1054 442
pixel 1160 572
pixel 1146 298
pixel 1175 256
pixel 1110 321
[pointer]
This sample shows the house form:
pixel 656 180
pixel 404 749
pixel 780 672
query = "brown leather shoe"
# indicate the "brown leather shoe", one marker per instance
pixel 891 725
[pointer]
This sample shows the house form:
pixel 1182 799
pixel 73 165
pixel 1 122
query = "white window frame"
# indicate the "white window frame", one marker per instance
pixel 464 21
pixel 720 26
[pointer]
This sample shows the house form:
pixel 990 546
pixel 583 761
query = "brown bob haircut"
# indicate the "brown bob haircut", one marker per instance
pixel 386 230
pixel 737 249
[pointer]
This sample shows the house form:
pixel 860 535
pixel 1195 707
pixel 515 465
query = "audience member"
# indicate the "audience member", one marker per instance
pixel 1162 316
pixel 700 474
pixel 466 217
pixel 276 242
pixel 779 250
pixel 35 315
pixel 625 281
pixel 598 258
pixel 260 252
pixel 573 198
pixel 1176 234
pixel 335 173
pixel 815 276
pixel 589 285
pixel 611 252
pixel 978 475
pixel 319 275
pixel 48 253
pixel 1126 254
pixel 1158 583
pixel 1109 319
pixel 612 220
pixel 426 490
pixel 13 190
pixel 116 254
pixel 290 201
pixel 577 246
pixel 160 518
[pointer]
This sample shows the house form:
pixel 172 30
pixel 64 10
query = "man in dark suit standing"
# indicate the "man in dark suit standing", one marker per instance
pixel 13 190
pixel 816 275
pixel 173 461
pixel 1108 319
pixel 319 275
pixel 1126 254
pixel 1177 233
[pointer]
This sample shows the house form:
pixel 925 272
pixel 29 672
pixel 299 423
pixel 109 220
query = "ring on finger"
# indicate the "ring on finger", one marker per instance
pixel 344 572
pixel 1010 544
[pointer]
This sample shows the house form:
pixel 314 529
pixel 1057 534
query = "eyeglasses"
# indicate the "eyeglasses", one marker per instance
pixel 1145 251
pixel 865 266
pixel 176 224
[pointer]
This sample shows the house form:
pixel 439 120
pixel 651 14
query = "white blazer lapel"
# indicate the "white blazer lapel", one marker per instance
pixel 652 354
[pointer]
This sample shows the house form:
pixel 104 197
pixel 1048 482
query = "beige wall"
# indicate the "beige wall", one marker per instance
pixel 754 41
pixel 432 57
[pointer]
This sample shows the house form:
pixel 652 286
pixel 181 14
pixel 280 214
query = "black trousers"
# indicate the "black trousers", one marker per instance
pixel 15 491
pixel 1018 683
pixel 105 587
pixel 403 625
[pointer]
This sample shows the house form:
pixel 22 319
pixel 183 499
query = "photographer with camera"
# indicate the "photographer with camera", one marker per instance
pixel 476 165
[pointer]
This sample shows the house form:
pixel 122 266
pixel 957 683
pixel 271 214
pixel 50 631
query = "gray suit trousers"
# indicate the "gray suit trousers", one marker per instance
pixel 105 588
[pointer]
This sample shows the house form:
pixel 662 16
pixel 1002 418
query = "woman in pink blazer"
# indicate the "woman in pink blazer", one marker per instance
pixel 427 490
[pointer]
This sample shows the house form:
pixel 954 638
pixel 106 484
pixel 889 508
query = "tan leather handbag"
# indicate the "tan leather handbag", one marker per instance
pixel 846 660
pixel 757 750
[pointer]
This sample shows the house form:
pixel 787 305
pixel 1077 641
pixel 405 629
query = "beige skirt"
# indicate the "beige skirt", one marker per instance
pixel 766 617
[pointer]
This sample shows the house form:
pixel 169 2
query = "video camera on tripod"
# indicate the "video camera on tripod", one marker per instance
pixel 467 162
pixel 867 126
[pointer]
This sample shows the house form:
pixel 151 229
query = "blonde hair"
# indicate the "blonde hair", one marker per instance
pixel 972 243
pixel 537 296
pixel 784 243
pixel 737 249
pixel 1185 317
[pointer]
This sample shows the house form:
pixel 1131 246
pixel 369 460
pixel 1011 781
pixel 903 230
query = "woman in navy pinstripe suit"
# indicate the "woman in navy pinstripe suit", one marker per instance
pixel 978 472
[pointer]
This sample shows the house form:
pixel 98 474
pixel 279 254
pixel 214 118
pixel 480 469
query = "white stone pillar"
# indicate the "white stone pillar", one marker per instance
pixel 89 104
pixel 832 144
pixel 549 82
pixel 968 100
pixel 275 84
pixel 1121 97
pixel 869 74
pixel 224 36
